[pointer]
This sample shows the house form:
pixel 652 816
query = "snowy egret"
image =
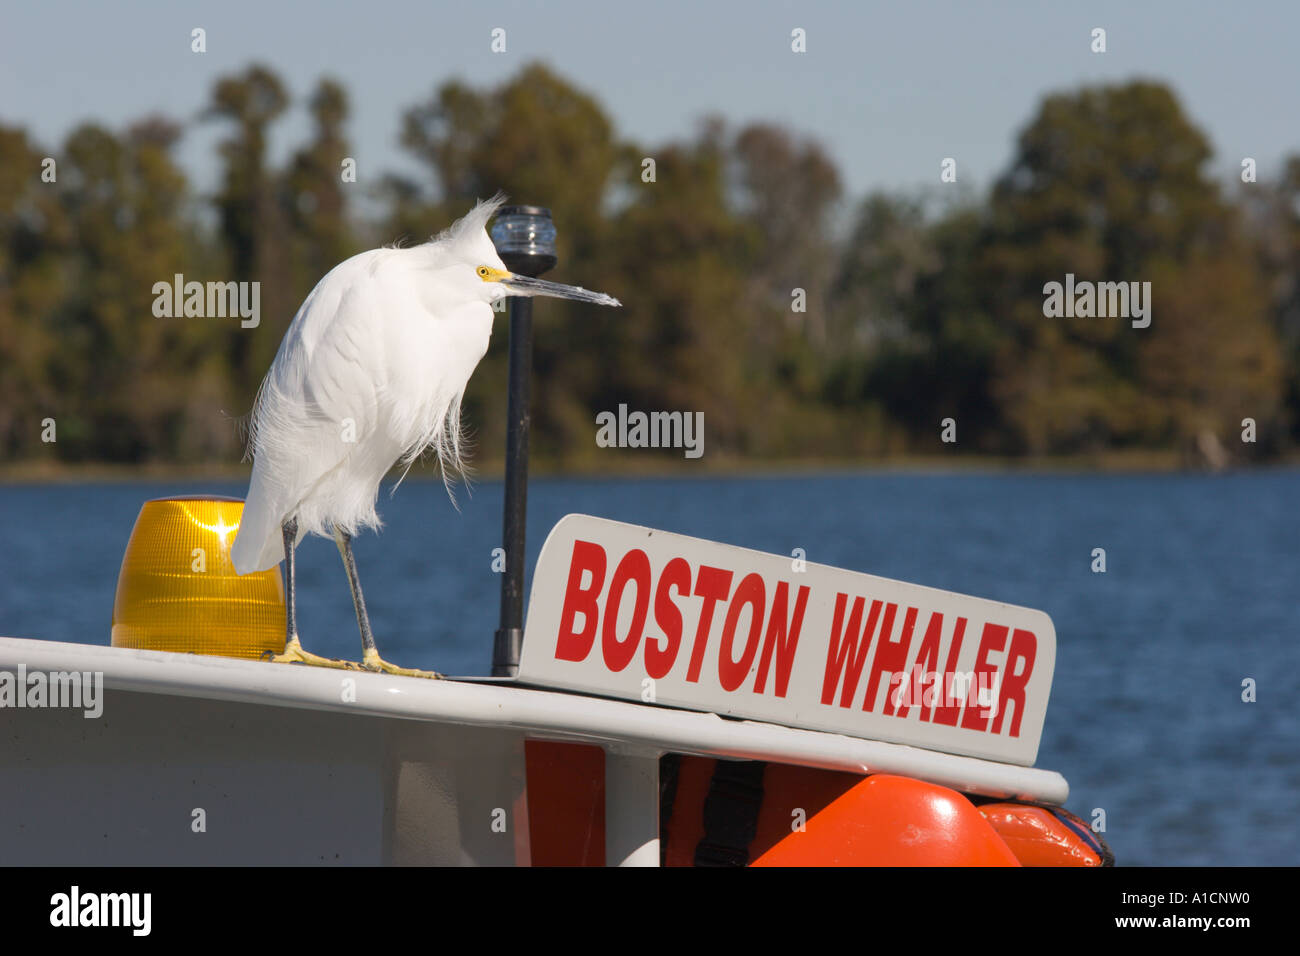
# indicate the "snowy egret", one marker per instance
pixel 370 374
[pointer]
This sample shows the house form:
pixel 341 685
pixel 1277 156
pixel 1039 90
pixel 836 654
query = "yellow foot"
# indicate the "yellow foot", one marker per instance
pixel 294 654
pixel 373 662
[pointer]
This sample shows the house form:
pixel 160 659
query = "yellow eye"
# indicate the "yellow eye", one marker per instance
pixel 483 271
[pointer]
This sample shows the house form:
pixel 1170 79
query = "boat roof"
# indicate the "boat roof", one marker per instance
pixel 617 725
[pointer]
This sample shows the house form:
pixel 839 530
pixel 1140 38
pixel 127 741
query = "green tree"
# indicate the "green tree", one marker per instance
pixel 539 140
pixel 1109 184
pixel 131 385
pixel 315 193
pixel 783 191
pixel 914 335
pixel 34 233
pixel 253 228
pixel 1274 210
pixel 674 253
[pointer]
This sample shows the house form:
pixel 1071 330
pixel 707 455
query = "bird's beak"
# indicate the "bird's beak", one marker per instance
pixel 524 285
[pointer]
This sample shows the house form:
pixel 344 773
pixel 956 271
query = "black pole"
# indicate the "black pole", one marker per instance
pixel 525 240
pixel 509 636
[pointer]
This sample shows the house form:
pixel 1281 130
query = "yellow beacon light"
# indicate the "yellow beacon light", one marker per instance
pixel 178 591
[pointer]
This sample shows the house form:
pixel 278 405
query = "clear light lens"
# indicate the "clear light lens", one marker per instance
pixel 524 233
pixel 178 591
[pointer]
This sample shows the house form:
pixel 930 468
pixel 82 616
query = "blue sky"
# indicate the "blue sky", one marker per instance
pixel 888 89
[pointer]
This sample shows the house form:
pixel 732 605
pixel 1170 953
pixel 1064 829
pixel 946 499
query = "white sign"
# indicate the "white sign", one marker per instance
pixel 624 611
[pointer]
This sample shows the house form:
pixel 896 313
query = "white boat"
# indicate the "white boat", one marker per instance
pixel 157 757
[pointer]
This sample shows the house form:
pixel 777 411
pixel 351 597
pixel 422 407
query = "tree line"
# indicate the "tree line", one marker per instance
pixel 745 296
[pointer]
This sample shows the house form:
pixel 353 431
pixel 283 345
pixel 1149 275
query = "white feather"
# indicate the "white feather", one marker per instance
pixel 370 374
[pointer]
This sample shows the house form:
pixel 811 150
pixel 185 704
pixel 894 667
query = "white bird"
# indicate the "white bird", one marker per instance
pixel 370 374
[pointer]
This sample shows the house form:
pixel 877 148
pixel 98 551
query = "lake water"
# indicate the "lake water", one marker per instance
pixel 1146 720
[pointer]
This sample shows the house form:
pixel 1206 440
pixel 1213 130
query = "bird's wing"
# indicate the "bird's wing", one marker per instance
pixel 317 402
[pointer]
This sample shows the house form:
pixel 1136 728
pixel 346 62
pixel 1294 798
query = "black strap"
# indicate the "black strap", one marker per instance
pixel 669 766
pixel 1081 828
pixel 731 813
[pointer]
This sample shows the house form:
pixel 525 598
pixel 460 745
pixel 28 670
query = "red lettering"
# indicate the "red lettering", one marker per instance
pixel 659 660
pixel 976 717
pixel 570 644
pixel 845 656
pixel 712 584
pixel 750 592
pixel 927 664
pixel 947 712
pixel 778 641
pixel 890 655
pixel 635 567
pixel 1024 647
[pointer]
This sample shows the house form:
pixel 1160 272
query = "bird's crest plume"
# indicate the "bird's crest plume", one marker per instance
pixel 474 220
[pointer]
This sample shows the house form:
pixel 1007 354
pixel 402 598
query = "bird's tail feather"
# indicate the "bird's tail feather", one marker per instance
pixel 259 543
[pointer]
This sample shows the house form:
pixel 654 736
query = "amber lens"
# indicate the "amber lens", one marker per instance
pixel 178 591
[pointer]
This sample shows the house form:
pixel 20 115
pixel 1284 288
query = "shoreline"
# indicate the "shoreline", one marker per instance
pixel 626 466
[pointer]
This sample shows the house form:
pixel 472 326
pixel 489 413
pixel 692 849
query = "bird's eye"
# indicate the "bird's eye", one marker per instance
pixel 482 270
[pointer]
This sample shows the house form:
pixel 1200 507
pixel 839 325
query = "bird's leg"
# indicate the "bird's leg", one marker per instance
pixel 293 652
pixel 289 530
pixel 370 659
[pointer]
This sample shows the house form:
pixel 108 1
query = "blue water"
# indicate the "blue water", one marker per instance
pixel 1146 720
